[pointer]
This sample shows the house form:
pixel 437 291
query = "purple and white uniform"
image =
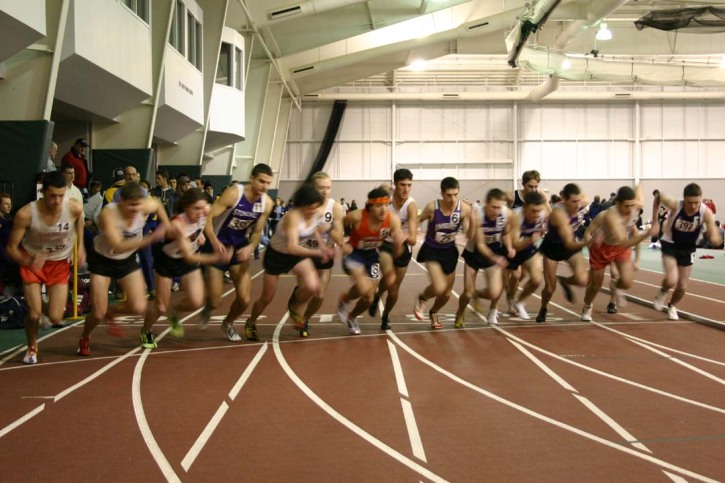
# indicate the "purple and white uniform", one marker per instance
pixel 442 229
pixel 234 226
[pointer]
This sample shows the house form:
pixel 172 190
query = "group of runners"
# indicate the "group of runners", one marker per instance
pixel 516 240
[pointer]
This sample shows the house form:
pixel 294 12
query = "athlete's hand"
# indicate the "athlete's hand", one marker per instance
pixel 500 261
pixel 202 240
pixel 226 256
pixel 346 249
pixel 157 235
pixel 511 253
pixel 654 230
pixel 218 246
pixel 244 253
pixel 37 263
pixel 535 237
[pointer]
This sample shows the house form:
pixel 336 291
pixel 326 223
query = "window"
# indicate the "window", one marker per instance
pixel 197 27
pixel 139 7
pixel 180 30
pixel 225 65
pixel 238 68
pixel 190 38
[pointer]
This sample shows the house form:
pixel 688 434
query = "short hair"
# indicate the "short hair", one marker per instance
pixel 190 196
pixel 569 190
pixel 208 185
pixel 449 183
pixel 67 166
pixel 692 189
pixel 530 175
pixel 306 195
pixel 131 190
pixel 534 198
pixel 378 192
pixel 495 194
pixel 625 193
pixel 262 168
pixel 95 184
pixel 53 179
pixel 401 174
pixel 163 173
pixel 319 175
pixel 6 195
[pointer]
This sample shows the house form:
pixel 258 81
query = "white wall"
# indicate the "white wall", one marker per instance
pixel 593 143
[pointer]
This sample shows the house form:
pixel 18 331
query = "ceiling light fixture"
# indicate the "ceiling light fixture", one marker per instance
pixel 566 64
pixel 722 62
pixel 604 33
pixel 417 65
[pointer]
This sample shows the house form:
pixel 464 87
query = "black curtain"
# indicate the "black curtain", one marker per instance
pixel 105 161
pixel 333 126
pixel 24 154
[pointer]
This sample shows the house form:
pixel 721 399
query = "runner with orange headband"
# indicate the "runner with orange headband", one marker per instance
pixel 368 229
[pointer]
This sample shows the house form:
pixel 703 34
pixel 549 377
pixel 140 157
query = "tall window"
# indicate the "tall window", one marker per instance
pixel 224 70
pixel 139 7
pixel 238 65
pixel 199 58
pixel 181 26
pixel 190 38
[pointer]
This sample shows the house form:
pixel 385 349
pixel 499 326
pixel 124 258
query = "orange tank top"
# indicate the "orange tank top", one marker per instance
pixel 362 238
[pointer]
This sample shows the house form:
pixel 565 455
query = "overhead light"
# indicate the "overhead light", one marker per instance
pixel 566 64
pixel 604 33
pixel 417 65
pixel 722 62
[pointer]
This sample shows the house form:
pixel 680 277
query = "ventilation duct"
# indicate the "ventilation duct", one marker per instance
pixel 706 20
pixel 534 16
pixel 302 9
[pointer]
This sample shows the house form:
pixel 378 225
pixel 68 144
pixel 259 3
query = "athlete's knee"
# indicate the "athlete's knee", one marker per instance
pixel 136 307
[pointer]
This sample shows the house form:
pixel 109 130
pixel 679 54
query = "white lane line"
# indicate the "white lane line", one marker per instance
pixel 546 419
pixel 415 442
pixel 21 420
pixel 543 367
pixel 93 376
pixel 678 361
pixel 675 478
pixel 626 435
pixel 247 372
pixel 384 448
pixel 204 437
pixel 398 370
pixel 143 424
pixel 14 348
pixel 19 349
pixel 636 318
pixel 325 318
pixel 693 279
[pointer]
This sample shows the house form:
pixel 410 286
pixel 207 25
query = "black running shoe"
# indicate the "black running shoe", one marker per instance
pixel 611 308
pixel 373 309
pixel 250 332
pixel 541 317
pixel 385 325
pixel 568 293
pixel 305 332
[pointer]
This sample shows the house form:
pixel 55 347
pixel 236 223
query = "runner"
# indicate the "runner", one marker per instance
pixel 368 230
pixel 404 206
pixel 178 257
pixel 685 221
pixel 236 221
pixel 332 234
pixel 445 217
pixel 120 236
pixel 488 246
pixel 614 232
pixel 41 242
pixel 560 245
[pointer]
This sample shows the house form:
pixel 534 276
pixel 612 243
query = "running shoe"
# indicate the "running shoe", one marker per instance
pixel 568 292
pixel 297 320
pixel 176 328
pixel 305 331
pixel 541 317
pixel 659 302
pixel 434 322
pixel 419 309
pixel 521 311
pixel 84 346
pixel 229 331
pixel 175 287
pixel 114 330
pixel 373 309
pixel 492 318
pixel 353 326
pixel 31 355
pixel 460 322
pixel 342 311
pixel 672 313
pixel 611 308
pixel 250 332
pixel 385 323
pixel 147 340
pixel 587 313
pixel 204 318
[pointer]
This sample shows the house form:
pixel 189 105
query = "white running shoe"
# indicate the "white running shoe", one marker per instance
pixel 231 334
pixel 672 313
pixel 587 314
pixel 492 317
pixel 342 312
pixel 31 356
pixel 419 309
pixel 353 326
pixel 521 311
pixel 659 302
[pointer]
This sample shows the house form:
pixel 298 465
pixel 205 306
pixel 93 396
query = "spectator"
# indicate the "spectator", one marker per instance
pixel 72 192
pixel 118 180
pixel 172 183
pixel 345 207
pixel 199 183
pixel 9 271
pixel 93 205
pixel 353 205
pixel 130 174
pixel 209 192
pixel 710 204
pixel 275 216
pixel 76 157
pixel 52 152
pixel 164 192
pixel 183 183
pixel 608 204
pixel 594 209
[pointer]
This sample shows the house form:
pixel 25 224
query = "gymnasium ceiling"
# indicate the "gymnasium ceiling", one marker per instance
pixel 321 45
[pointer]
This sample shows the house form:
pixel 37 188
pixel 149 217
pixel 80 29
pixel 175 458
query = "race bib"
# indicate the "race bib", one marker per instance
pixel 445 237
